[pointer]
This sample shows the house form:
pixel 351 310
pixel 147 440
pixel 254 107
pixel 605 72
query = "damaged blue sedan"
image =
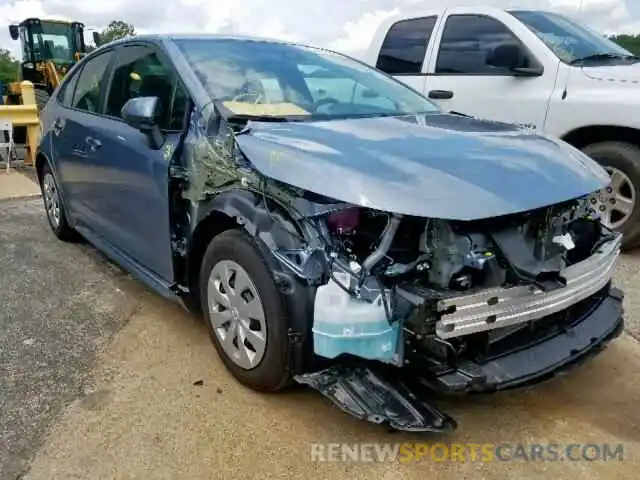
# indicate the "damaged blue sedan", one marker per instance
pixel 334 227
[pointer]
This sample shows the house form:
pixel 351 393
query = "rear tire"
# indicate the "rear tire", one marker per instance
pixel 54 209
pixel 622 161
pixel 234 258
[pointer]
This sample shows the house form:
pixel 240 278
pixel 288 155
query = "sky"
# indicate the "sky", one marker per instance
pixel 343 25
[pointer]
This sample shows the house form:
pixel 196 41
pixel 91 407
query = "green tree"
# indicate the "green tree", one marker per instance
pixel 630 42
pixel 9 67
pixel 115 30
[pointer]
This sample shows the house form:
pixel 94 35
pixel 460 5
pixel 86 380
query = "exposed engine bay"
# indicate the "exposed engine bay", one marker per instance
pixel 406 271
pixel 450 256
pixel 403 285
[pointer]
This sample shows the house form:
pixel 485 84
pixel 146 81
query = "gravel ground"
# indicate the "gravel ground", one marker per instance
pixel 60 305
pixel 628 279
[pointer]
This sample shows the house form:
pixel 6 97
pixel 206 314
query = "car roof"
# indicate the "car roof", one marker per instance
pixel 159 38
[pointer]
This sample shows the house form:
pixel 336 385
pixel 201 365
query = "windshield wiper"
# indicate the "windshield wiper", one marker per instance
pixel 603 56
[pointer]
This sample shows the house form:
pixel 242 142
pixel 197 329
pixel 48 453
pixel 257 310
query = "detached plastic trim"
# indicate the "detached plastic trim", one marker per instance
pixel 366 395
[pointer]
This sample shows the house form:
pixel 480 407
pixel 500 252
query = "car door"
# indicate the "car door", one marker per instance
pixel 73 118
pixel 129 197
pixel 404 49
pixel 462 76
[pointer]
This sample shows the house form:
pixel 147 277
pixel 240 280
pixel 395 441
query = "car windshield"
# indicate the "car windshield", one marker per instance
pixel 570 41
pixel 269 80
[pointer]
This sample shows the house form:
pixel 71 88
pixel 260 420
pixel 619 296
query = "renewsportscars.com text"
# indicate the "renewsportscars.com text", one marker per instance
pixel 467 452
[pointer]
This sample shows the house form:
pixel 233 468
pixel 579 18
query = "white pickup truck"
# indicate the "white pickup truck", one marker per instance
pixel 534 68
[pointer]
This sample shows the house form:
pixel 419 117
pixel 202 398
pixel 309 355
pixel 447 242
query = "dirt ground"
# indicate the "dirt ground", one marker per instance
pixel 147 419
pixel 148 398
pixel 15 184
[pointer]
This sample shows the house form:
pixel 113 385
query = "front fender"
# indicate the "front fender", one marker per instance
pixel 274 230
pixel 262 217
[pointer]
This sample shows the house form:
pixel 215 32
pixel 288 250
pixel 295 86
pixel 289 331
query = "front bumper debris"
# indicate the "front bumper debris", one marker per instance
pixel 369 393
pixel 502 307
pixel 368 396
pixel 543 357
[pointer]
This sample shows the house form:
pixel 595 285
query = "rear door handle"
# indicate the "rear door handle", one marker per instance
pixel 441 94
pixel 94 143
pixel 57 126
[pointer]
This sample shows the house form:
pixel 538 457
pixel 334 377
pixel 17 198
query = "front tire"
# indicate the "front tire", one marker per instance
pixel 244 312
pixel 54 209
pixel 619 205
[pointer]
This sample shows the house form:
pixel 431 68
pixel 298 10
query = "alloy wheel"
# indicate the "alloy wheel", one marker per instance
pixel 51 199
pixel 615 203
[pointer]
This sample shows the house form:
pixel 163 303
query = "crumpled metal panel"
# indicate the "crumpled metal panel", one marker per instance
pixel 210 155
pixel 437 166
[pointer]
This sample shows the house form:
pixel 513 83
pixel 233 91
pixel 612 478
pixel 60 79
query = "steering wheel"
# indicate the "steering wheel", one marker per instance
pixel 258 97
pixel 324 101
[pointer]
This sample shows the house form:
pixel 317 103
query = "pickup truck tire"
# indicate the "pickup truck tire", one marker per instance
pixel 624 157
pixel 236 251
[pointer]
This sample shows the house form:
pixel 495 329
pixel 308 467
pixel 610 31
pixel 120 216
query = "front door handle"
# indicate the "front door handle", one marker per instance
pixel 441 94
pixel 94 143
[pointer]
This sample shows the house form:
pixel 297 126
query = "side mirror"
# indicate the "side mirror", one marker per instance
pixel 96 38
pixel 370 94
pixel 527 71
pixel 13 31
pixel 511 57
pixel 141 113
pixel 506 56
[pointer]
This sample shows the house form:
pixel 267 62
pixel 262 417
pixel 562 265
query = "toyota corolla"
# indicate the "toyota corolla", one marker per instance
pixel 334 227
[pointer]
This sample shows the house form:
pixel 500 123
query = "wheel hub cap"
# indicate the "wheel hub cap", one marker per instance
pixel 615 203
pixel 236 314
pixel 51 199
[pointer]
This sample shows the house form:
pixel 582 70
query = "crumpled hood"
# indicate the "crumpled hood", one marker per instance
pixel 435 165
pixel 624 74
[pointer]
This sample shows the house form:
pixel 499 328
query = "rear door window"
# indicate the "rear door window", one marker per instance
pixel 405 46
pixel 92 79
pixel 68 89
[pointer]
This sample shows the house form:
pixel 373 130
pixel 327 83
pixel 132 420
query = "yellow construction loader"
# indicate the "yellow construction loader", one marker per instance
pixel 49 50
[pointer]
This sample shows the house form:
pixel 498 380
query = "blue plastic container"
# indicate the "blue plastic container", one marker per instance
pixel 345 324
